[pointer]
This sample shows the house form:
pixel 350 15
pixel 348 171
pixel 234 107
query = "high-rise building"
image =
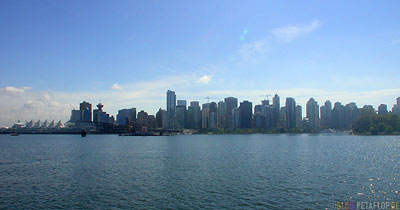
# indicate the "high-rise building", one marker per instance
pixel 312 111
pixel 246 114
pixel 398 101
pixel 290 113
pixel 221 115
pixel 171 109
pixel 205 116
pixel 326 114
pixel 299 117
pixel 86 111
pixel 382 109
pixel 231 103
pixel 351 114
pixel 181 103
pixel 85 105
pixel 276 110
pixel 396 109
pixel 235 116
pixel 126 116
pixel 159 118
pixel 194 115
pixel 181 116
pixel 151 122
pixel 142 119
pixel 338 116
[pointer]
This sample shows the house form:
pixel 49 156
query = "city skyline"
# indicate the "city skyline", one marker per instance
pixel 57 54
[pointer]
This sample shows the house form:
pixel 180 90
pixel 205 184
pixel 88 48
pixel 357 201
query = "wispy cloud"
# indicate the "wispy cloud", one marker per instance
pixel 15 89
pixel 205 79
pixel 288 33
pixel 252 49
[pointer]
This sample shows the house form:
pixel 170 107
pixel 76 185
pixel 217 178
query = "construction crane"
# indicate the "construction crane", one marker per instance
pixel 265 96
pixel 208 99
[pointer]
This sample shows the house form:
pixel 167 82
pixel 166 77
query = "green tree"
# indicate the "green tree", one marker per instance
pixel 381 127
pixel 388 129
pixel 372 130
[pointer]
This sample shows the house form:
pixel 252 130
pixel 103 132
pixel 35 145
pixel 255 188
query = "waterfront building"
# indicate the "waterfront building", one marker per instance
pixel 276 110
pixel 351 114
pixel 75 116
pixel 181 116
pixel 326 114
pixel 290 109
pixel 171 109
pixel 159 118
pixel 221 115
pixel 235 116
pixel 99 116
pixel 246 114
pixel 126 116
pixel 151 122
pixel 382 109
pixel 142 119
pixel 230 103
pixel 194 115
pixel 312 113
pixel 86 111
pixel 282 118
pixel 338 116
pixel 299 117
pixel 205 116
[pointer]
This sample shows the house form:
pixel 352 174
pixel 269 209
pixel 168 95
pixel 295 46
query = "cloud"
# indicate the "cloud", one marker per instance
pixel 116 87
pixel 205 79
pixel 288 33
pixel 249 50
pixel 15 89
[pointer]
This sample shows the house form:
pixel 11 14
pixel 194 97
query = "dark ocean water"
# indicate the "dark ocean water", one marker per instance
pixel 197 171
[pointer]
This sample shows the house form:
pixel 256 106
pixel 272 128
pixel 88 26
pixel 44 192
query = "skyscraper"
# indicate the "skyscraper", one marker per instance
pixel 86 111
pixel 290 113
pixel 193 115
pixel 326 114
pixel 338 116
pixel 221 115
pixel 181 116
pixel 171 106
pixel 276 110
pixel 235 116
pixel 299 117
pixel 231 103
pixel 246 114
pixel 351 113
pixel 159 118
pixel 312 111
pixel 182 103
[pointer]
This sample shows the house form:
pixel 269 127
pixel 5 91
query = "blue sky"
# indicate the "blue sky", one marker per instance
pixel 54 54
